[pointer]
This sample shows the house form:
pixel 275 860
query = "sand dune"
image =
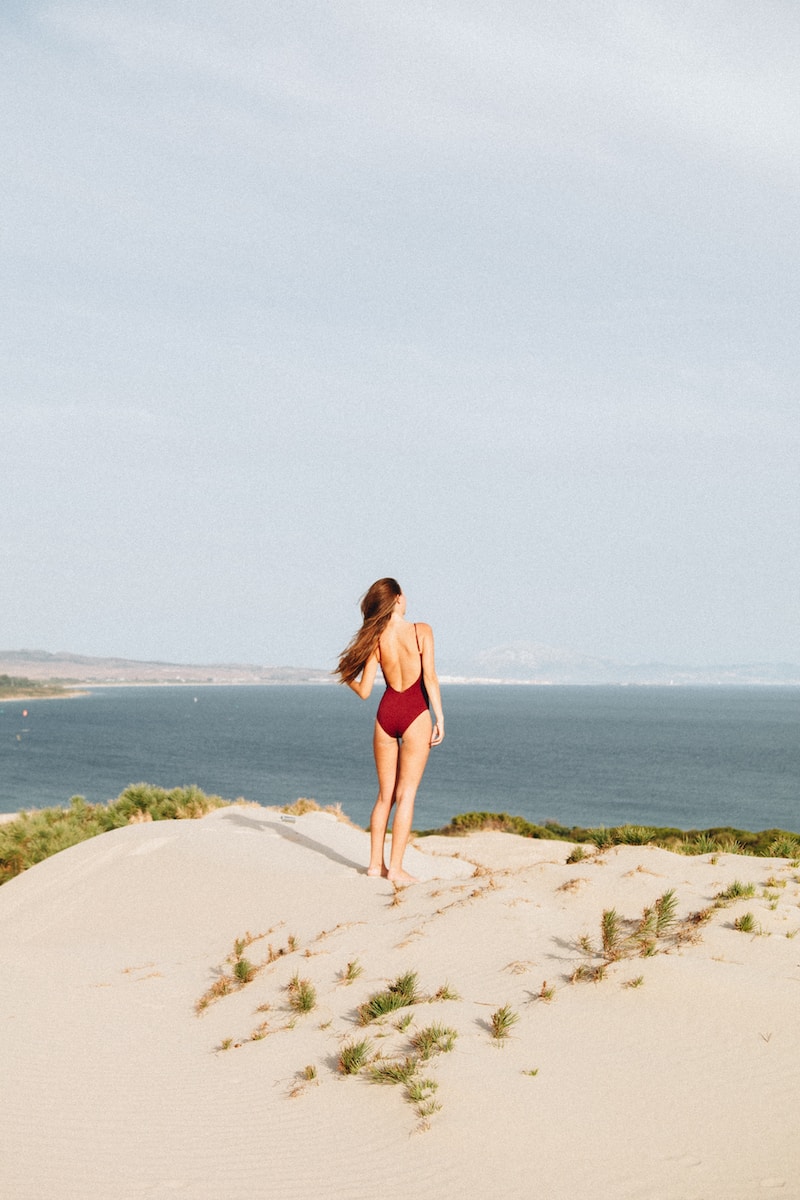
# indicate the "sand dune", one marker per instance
pixel 674 1076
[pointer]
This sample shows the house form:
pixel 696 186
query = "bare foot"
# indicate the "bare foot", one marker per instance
pixel 401 877
pixel 378 872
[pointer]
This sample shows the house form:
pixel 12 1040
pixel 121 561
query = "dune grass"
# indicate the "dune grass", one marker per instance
pixel 302 994
pixel 771 843
pixel 501 1022
pixel 33 836
pixel 400 994
pixel 353 1056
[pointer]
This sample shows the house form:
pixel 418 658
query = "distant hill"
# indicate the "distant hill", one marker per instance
pixel 532 662
pixel 515 662
pixel 65 668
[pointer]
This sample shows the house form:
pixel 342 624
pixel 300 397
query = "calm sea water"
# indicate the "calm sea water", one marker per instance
pixel 691 757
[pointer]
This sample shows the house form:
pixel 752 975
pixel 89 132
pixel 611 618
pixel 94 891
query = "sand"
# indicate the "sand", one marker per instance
pixel 674 1077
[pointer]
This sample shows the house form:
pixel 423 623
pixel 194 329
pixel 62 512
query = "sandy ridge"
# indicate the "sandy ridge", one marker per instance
pixel 114 1086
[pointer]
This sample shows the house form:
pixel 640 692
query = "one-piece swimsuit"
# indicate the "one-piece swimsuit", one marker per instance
pixel 397 710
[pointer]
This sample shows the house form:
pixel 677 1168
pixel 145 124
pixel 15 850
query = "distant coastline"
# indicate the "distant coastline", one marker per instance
pixel 520 664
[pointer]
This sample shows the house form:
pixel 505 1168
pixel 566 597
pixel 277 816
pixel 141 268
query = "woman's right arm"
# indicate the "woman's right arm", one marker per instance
pixel 363 686
pixel 432 684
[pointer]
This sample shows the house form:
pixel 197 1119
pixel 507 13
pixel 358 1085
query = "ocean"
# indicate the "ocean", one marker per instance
pixel 688 757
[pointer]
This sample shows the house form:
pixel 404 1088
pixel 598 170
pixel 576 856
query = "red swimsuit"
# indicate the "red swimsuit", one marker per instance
pixel 397 710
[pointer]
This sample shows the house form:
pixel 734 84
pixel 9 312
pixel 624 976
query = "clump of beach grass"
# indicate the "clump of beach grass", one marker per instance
pixel 655 923
pixel 394 1071
pixel 433 1039
pixel 419 1091
pixel 244 971
pixel 704 843
pixel 635 835
pixel 611 934
pixel 501 1022
pixel 621 938
pixel 351 972
pixel 302 994
pixel 445 992
pixel 602 838
pixel 400 994
pixel 354 1056
pixel 746 923
pixel 588 973
pixel 735 891
pixel 786 846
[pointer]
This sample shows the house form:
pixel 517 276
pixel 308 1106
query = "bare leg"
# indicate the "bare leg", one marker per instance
pixel 386 752
pixel 413 756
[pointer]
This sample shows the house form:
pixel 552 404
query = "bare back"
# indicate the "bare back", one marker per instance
pixel 399 654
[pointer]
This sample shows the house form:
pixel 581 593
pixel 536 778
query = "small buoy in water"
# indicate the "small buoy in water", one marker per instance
pixel 24 712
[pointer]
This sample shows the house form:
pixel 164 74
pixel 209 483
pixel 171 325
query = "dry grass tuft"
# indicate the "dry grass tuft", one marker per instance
pixel 242 970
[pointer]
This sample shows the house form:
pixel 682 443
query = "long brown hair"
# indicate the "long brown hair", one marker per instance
pixel 377 605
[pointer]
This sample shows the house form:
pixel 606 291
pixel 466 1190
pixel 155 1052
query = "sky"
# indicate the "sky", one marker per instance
pixel 499 299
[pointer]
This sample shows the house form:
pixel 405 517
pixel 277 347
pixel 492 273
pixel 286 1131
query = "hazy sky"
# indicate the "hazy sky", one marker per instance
pixel 497 298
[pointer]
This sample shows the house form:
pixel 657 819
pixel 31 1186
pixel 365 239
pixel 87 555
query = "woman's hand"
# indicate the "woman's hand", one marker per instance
pixel 437 735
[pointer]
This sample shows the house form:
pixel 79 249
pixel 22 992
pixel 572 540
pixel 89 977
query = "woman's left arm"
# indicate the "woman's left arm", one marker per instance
pixel 363 686
pixel 431 680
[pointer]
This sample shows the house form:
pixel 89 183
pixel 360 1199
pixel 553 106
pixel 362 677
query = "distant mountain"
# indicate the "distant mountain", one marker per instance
pixel 532 662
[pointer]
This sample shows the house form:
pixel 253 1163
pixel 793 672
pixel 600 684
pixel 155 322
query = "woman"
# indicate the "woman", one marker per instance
pixel 404 733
